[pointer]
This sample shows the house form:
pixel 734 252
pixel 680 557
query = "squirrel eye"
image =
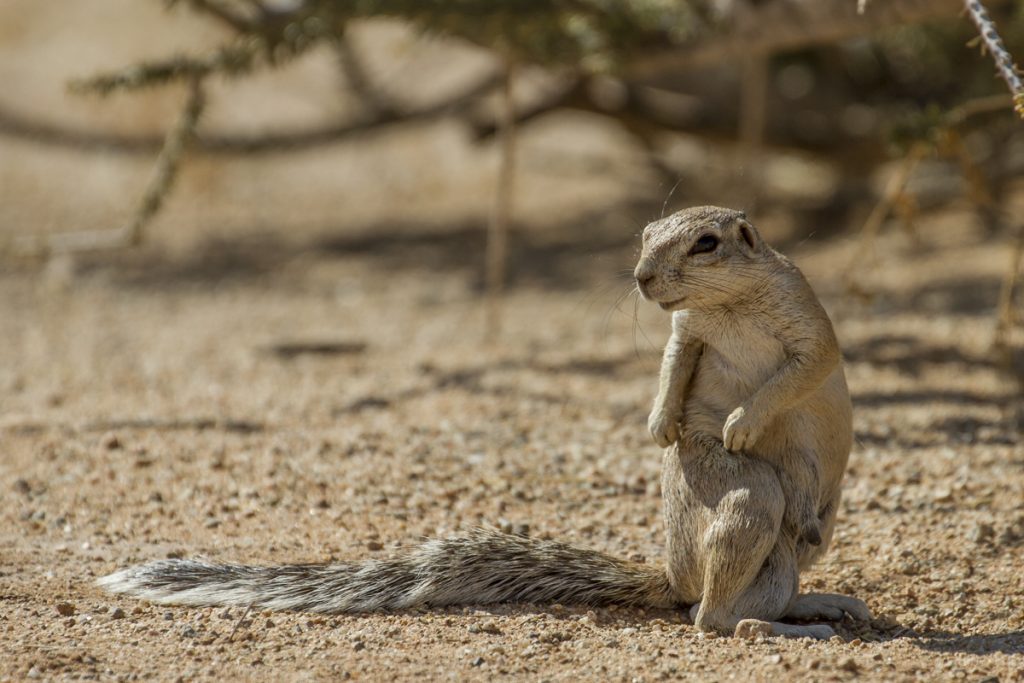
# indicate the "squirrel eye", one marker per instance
pixel 704 244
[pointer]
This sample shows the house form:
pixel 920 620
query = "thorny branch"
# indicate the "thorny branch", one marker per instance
pixel 1005 316
pixel 994 44
pixel 164 174
pixel 169 161
pixel 497 233
pixel 893 190
pixel 359 81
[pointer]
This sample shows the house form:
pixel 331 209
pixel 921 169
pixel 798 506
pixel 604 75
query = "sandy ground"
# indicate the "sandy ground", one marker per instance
pixel 293 371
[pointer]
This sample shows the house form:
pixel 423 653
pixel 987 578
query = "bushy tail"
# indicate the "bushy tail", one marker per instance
pixel 480 568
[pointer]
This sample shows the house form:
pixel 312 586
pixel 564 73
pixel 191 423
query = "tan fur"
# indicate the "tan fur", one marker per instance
pixel 752 367
pixel 754 410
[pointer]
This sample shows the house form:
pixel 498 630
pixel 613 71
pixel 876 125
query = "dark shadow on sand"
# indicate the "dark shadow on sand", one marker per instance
pixel 938 641
pixel 559 260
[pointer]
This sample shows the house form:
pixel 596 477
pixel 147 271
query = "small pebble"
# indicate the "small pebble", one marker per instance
pixel 65 609
pixel 477 662
pixel 22 487
pixel 848 664
pixel 981 533
pixel 374 545
pixel 118 613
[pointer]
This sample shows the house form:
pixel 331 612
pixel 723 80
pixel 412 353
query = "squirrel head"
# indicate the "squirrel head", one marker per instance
pixel 700 257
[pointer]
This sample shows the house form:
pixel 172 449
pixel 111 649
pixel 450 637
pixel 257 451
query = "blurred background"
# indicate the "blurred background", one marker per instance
pixel 187 180
pixel 182 181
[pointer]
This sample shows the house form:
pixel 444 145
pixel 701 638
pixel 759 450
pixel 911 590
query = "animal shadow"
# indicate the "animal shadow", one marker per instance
pixel 982 644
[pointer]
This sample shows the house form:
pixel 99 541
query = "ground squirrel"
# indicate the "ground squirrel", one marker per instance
pixel 730 556
pixel 695 262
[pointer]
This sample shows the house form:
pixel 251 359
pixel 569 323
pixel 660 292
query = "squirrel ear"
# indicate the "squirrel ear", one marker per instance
pixel 749 240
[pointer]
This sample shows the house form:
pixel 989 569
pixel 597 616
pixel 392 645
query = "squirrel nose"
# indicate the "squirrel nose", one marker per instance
pixel 644 273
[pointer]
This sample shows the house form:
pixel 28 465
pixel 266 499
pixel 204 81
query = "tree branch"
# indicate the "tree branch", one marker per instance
pixel 1003 59
pixel 164 175
pixel 358 80
pixel 784 25
pixel 13 125
pixel 224 15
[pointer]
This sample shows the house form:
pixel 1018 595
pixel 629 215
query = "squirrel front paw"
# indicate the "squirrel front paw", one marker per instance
pixel 664 426
pixel 742 429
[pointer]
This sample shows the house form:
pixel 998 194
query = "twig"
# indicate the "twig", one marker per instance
pixel 1006 318
pixel 239 622
pixel 952 143
pixel 238 58
pixel 358 80
pixel 497 234
pixel 877 217
pixel 977 106
pixel 169 161
pixel 1003 59
pixel 567 94
pixel 164 174
pixel 753 104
